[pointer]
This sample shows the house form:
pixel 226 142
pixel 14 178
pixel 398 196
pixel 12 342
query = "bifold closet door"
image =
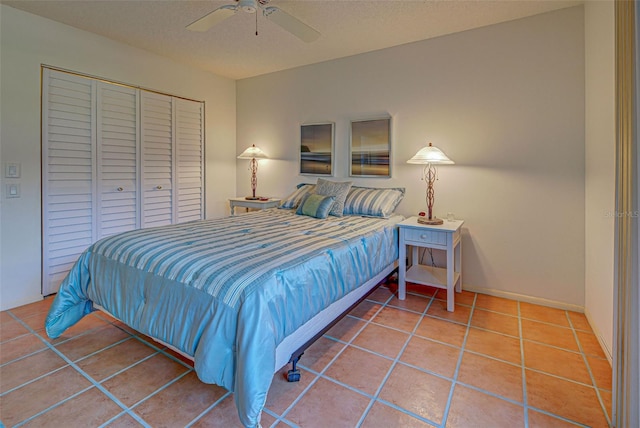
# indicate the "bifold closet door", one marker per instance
pixel 157 159
pixel 189 160
pixel 114 159
pixel 117 159
pixel 68 173
pixel 90 152
pixel 172 159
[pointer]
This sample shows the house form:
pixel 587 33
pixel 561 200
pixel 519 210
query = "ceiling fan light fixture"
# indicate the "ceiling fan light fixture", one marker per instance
pixel 276 15
pixel 248 6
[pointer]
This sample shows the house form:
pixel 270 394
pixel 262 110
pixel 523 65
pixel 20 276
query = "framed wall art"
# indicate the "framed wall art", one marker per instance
pixel 370 148
pixel 316 148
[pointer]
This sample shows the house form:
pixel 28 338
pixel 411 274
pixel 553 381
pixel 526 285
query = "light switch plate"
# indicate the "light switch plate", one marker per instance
pixel 13 190
pixel 12 170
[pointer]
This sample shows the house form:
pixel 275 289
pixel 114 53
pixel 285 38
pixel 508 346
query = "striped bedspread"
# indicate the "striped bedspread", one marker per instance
pixel 227 291
pixel 228 258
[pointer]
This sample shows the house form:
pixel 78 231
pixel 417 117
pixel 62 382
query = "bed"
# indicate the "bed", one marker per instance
pixel 238 295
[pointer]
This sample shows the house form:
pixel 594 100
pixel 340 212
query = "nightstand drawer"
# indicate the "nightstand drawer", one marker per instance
pixel 426 236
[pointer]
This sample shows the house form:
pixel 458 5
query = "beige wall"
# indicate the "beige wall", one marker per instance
pixel 506 102
pixel 600 168
pixel 27 41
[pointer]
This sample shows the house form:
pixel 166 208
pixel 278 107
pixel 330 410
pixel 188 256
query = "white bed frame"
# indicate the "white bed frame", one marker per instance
pixel 292 347
pixel 306 334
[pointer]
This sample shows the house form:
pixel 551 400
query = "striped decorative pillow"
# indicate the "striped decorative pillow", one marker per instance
pixel 294 199
pixel 317 206
pixel 373 202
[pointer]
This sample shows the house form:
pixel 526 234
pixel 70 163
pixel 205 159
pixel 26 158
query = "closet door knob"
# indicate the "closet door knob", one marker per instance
pixel 119 189
pixel 159 187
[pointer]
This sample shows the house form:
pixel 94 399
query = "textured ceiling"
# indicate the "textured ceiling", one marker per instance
pixel 232 49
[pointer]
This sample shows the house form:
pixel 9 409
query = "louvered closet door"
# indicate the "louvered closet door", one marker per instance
pixel 114 158
pixel 189 160
pixel 157 159
pixel 68 173
pixel 117 159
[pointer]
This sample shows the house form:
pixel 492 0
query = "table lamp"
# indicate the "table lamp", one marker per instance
pixel 253 153
pixel 430 156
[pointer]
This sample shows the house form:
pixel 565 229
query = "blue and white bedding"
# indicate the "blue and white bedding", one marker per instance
pixel 227 291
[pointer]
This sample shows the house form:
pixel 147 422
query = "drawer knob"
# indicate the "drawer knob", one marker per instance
pixel 159 187
pixel 120 189
pixel 423 236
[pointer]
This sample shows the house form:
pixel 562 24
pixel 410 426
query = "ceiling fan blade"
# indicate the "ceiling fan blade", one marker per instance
pixel 291 24
pixel 211 19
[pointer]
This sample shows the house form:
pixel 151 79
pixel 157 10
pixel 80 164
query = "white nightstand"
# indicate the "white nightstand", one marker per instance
pixel 445 237
pixel 255 204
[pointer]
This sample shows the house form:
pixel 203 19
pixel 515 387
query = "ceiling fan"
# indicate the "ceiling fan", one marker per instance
pixel 276 15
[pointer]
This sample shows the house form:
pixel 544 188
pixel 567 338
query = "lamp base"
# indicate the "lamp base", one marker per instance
pixel 252 198
pixel 433 221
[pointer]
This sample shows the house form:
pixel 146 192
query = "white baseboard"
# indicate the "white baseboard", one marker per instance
pixel 526 298
pixel 5 306
pixel 546 302
pixel 605 347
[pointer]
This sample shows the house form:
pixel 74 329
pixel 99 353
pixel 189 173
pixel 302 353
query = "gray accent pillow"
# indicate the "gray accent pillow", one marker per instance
pixel 337 189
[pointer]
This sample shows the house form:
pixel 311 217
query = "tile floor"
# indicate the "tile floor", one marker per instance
pixel 491 363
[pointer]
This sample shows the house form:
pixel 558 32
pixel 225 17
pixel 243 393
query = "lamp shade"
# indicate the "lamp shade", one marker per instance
pixel 430 155
pixel 253 152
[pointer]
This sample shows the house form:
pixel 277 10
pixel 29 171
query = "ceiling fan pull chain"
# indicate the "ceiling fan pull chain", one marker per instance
pixel 256 24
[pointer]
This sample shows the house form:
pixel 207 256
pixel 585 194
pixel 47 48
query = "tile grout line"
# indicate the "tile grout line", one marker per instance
pixel 486 392
pixel 593 380
pixel 525 397
pixel 373 397
pixel 524 368
pixel 275 416
pixel 394 363
pixel 15 388
pixel 86 376
pixel 527 407
pixel 557 416
pixel 558 377
pixel 524 383
pixel 104 349
pixel 113 419
pixel 124 369
pixel 549 345
pixel 407 412
pixel 282 417
pixel 208 409
pixel 159 390
pixel 447 408
pixel 30 354
pixel 53 406
pixel 134 337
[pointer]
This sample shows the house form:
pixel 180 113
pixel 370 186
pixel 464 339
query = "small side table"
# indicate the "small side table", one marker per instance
pixel 445 237
pixel 255 204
